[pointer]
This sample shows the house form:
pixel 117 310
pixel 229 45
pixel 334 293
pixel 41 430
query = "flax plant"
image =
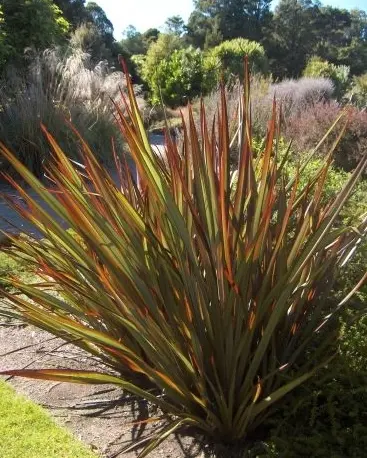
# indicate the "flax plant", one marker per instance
pixel 204 297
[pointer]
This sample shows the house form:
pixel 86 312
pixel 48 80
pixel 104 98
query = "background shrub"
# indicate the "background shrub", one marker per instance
pixel 228 57
pixel 307 128
pixel 339 74
pixel 294 96
pixel 159 50
pixel 177 78
pixel 358 93
pixel 308 112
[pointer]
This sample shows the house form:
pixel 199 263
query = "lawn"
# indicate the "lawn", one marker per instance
pixel 27 431
pixel 10 267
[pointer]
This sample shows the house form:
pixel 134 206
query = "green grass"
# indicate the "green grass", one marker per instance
pixel 27 431
pixel 9 267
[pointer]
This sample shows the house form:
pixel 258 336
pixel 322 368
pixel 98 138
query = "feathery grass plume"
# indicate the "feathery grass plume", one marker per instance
pixel 207 301
pixel 60 85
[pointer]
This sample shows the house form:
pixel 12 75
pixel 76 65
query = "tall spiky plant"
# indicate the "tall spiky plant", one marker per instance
pixel 207 299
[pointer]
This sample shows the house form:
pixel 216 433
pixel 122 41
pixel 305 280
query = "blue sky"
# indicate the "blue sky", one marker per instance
pixel 153 13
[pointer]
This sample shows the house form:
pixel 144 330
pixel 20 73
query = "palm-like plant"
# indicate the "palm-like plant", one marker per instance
pixel 204 294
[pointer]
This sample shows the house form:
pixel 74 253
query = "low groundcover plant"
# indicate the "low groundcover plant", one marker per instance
pixel 204 297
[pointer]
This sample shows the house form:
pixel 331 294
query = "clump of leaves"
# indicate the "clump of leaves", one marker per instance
pixel 208 303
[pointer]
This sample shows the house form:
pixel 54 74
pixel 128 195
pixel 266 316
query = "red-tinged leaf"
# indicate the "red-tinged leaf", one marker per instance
pixel 65 375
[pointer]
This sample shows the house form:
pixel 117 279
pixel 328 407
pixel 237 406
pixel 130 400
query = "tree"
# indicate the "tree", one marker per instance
pixel 133 42
pixel 303 28
pixel 355 53
pixel 73 10
pixel 99 18
pixel 34 24
pixel 213 36
pixel 358 25
pixel 138 43
pixel 291 36
pixel 88 39
pixel 358 93
pixel 235 18
pixel 342 37
pixel 199 27
pixel 4 47
pixel 151 36
pixel 332 24
pixel 175 25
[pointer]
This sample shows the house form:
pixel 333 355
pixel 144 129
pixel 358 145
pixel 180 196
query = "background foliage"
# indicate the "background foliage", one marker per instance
pixel 176 76
pixel 338 74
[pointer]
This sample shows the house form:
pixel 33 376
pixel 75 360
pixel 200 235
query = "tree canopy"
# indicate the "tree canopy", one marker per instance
pixel 295 31
pixel 291 34
pixel 73 10
pixel 231 18
pixel 33 24
pixel 39 24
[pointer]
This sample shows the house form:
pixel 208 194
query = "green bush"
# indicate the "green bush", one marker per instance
pixel 339 74
pixel 151 68
pixel 358 93
pixel 228 59
pixel 336 179
pixel 351 215
pixel 32 24
pixel 10 267
pixel 178 78
pixel 157 52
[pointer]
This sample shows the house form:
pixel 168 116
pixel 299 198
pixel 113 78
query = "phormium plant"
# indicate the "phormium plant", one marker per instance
pixel 204 298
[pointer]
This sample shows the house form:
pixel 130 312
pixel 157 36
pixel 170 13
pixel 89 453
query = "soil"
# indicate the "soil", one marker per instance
pixel 100 416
